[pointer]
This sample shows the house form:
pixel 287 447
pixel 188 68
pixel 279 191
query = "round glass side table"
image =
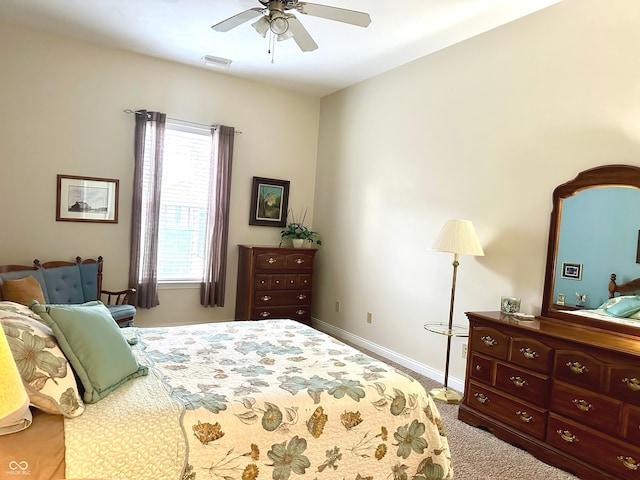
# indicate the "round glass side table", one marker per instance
pixel 445 394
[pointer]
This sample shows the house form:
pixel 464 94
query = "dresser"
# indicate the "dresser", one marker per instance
pixel 274 283
pixel 568 394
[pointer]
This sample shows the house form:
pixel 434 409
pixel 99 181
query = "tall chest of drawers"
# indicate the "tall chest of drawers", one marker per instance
pixel 274 283
pixel 568 394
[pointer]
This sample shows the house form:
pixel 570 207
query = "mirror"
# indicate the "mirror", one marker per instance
pixel 594 232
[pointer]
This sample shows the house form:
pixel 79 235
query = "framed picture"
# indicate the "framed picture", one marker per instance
pixel 87 199
pixel 269 202
pixel 572 271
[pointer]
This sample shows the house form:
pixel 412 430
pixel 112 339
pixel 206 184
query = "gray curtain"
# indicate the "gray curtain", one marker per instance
pixel 143 273
pixel 215 273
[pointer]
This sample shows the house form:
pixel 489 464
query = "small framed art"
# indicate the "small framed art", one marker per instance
pixel 269 202
pixel 87 199
pixel 572 271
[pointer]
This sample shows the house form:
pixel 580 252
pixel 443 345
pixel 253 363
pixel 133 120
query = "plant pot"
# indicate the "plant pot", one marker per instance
pixel 297 242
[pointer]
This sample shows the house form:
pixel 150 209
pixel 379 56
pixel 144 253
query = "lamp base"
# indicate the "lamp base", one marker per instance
pixel 446 395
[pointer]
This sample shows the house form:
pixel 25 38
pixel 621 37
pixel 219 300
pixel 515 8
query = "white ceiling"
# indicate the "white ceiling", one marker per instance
pixel 180 30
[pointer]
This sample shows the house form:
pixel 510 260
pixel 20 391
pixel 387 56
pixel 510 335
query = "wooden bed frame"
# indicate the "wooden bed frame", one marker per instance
pixel 627 287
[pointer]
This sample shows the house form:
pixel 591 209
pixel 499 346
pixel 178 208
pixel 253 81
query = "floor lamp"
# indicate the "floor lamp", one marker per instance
pixel 457 237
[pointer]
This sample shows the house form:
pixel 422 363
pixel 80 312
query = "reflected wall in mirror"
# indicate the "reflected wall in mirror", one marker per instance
pixel 594 232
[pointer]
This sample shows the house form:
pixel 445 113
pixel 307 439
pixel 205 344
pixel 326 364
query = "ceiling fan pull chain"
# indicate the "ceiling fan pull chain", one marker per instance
pixel 272 46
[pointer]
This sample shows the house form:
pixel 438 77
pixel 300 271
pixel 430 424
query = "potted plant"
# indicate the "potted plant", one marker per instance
pixel 298 232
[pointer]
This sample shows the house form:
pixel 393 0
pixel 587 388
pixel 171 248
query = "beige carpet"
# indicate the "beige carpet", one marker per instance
pixel 476 453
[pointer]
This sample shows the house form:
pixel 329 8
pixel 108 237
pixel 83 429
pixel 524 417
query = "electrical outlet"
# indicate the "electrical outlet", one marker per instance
pixel 369 317
pixel 338 305
pixel 464 350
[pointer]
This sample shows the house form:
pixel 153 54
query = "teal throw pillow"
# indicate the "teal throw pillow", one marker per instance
pixel 94 344
pixel 624 308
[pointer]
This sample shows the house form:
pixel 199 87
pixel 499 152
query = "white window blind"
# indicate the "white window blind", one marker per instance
pixel 184 203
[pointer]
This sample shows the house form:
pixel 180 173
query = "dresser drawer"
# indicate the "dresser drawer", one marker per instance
pixel 299 261
pixel 579 368
pixel 270 261
pixel 300 280
pixel 295 312
pixel 532 387
pixel 490 341
pixel 481 368
pixel 612 455
pixel 524 417
pixel 283 297
pixel 624 383
pixel 586 407
pixel 280 281
pixel 531 354
pixel 631 422
pixel 270 282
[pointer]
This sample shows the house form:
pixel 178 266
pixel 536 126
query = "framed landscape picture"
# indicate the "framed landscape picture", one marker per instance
pixel 87 199
pixel 269 202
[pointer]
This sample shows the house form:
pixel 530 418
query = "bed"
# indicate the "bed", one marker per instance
pixel 623 309
pixel 240 400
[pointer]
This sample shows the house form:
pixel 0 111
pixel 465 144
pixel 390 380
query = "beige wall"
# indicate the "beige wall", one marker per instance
pixel 482 130
pixel 61 111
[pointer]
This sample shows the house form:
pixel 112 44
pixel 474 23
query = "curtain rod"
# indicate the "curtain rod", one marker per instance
pixel 128 111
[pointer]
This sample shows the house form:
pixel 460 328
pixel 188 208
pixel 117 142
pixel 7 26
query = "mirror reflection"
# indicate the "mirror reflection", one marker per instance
pixel 595 232
pixel 598 236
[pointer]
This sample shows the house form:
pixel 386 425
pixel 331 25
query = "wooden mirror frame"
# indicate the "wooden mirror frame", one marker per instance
pixel 604 176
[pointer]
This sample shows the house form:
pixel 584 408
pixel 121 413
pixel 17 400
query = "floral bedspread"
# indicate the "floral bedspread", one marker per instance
pixel 276 399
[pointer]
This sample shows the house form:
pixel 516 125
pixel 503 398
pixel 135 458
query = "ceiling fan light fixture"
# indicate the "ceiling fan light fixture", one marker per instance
pixel 285 36
pixel 261 26
pixel 279 24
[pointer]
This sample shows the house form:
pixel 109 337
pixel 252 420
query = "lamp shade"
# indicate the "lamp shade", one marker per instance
pixel 14 402
pixel 459 237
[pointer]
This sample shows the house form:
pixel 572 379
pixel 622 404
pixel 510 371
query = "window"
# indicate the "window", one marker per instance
pixel 184 202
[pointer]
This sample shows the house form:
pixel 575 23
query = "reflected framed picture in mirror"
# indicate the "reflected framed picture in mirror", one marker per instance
pixel 572 271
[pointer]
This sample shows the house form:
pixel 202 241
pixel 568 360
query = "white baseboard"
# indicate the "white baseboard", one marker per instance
pixel 407 362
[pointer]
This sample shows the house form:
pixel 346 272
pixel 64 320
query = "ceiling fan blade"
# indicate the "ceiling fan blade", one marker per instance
pixel 300 35
pixel 353 17
pixel 239 19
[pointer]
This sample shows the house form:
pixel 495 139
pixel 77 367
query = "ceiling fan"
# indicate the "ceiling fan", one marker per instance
pixel 274 17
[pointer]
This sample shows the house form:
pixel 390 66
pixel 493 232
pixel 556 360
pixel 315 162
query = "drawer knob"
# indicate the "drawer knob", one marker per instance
pixel 582 405
pixel 478 368
pixel 524 416
pixel 481 397
pixel 519 381
pixel 632 383
pixel 488 341
pixel 301 296
pixel 271 260
pixel 629 462
pixel 567 436
pixel 265 298
pixel 299 261
pixel 528 353
pixel 265 314
pixel 301 312
pixel 577 368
